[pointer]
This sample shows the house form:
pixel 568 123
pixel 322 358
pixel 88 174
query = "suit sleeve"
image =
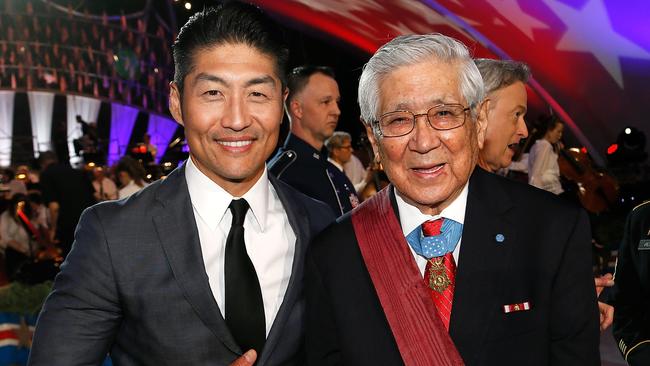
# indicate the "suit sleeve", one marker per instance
pixel 321 340
pixel 574 312
pixel 632 314
pixel 81 315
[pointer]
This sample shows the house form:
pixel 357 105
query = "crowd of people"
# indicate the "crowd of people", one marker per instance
pixel 45 48
pixel 41 207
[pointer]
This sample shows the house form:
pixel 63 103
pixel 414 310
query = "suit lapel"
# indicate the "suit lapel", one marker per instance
pixel 489 234
pixel 179 237
pixel 298 219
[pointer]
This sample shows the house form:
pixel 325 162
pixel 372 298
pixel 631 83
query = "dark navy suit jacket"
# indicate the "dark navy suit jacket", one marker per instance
pixel 306 169
pixel 542 256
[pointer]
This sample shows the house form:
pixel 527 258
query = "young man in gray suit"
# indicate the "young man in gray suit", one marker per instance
pixel 207 264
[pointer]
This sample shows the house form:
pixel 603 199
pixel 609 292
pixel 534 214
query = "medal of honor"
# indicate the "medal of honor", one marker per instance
pixel 438 278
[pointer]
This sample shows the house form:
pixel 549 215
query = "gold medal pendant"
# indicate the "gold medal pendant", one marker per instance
pixel 438 278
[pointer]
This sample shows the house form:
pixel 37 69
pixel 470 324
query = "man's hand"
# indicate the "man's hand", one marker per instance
pixel 247 359
pixel 606 315
pixel 602 282
pixel 606 311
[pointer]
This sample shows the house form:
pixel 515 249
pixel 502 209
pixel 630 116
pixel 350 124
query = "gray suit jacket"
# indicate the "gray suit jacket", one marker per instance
pixel 135 285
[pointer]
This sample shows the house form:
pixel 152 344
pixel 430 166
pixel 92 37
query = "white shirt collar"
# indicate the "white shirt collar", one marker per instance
pixel 410 216
pixel 336 164
pixel 211 201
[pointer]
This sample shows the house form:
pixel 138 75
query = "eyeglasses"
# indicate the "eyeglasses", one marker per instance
pixel 347 147
pixel 440 117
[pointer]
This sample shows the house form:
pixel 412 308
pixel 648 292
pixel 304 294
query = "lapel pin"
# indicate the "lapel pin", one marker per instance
pixel 500 238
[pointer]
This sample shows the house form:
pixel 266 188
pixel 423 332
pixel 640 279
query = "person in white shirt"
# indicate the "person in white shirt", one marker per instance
pixel 355 170
pixel 543 168
pixel 131 175
pixel 13 234
pixel 17 243
pixel 105 188
pixel 204 267
pixel 340 149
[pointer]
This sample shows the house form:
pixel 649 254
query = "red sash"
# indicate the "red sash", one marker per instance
pixel 420 335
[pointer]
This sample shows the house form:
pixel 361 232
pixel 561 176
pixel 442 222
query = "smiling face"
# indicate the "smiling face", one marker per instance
pixel 428 167
pixel 231 108
pixel 506 126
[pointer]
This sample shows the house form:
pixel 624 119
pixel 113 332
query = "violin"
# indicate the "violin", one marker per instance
pixel 597 191
pixel 47 251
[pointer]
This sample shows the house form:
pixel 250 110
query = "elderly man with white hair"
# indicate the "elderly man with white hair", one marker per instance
pixel 449 264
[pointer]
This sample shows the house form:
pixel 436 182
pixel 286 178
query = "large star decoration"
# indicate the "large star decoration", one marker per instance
pixel 589 29
pixel 511 10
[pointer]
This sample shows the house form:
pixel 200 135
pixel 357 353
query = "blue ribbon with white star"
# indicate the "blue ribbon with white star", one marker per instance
pixel 438 245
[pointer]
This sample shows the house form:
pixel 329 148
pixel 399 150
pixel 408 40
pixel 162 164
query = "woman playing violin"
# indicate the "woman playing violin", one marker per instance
pixel 543 167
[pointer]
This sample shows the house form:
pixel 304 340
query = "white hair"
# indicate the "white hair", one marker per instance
pixel 414 49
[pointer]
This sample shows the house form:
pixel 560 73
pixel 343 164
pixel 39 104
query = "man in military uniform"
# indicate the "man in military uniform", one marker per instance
pixel 632 289
pixel 313 109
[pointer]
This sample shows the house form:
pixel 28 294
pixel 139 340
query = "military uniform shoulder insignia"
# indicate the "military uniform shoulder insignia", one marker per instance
pixel 622 346
pixel 644 244
pixel 641 205
pixel 627 350
pixel 283 162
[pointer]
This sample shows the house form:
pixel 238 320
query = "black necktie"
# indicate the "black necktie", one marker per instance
pixel 244 305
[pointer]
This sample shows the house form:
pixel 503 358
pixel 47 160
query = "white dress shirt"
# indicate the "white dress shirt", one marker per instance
pixel 543 168
pixel 356 172
pixel 129 189
pixel 359 184
pixel 270 240
pixel 410 217
pixel 13 234
pixel 336 164
pixel 106 189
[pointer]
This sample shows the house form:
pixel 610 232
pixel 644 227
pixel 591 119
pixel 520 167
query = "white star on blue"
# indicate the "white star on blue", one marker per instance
pixel 436 246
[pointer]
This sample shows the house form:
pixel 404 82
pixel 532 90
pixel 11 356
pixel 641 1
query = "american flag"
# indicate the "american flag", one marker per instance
pixel 590 58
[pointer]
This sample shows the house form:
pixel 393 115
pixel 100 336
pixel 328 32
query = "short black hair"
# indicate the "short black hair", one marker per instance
pixel 133 168
pixel 299 76
pixel 232 22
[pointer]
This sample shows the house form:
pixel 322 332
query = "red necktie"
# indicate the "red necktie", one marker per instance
pixel 440 275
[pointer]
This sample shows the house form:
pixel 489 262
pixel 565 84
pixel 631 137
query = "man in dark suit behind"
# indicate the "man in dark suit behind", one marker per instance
pixel 66 193
pixel 206 266
pixel 505 88
pixel 507 267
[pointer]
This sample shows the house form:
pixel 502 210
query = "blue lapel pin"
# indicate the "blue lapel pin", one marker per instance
pixel 500 238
